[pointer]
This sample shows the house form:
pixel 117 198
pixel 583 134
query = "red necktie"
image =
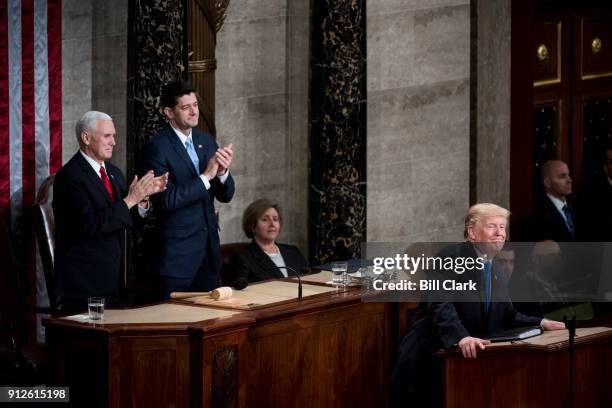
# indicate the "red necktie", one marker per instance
pixel 107 183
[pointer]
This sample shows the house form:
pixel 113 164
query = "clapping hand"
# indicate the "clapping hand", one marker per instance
pixel 224 158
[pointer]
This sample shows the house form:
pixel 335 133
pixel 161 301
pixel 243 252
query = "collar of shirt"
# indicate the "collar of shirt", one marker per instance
pixel 481 255
pixel 557 202
pixel 94 164
pixel 182 136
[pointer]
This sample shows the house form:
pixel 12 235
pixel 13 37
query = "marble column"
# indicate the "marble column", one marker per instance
pixel 157 55
pixel 337 193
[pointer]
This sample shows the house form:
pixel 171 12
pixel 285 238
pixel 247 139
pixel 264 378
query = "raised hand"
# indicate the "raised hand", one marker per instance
pixel 212 168
pixel 141 188
pixel 224 158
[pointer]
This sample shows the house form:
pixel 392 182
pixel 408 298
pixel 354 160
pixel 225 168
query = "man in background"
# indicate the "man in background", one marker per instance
pixel 189 258
pixel 554 217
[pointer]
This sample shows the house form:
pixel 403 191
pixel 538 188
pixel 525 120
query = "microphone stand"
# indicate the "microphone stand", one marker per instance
pixel 298 278
pixel 570 324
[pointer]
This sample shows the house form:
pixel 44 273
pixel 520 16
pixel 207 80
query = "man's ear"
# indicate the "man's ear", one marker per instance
pixel 546 182
pixel 470 233
pixel 168 112
pixel 85 138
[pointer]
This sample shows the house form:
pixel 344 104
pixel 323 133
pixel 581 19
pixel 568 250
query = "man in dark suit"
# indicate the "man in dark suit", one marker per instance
pixel 464 319
pixel 554 217
pixel 189 258
pixel 91 216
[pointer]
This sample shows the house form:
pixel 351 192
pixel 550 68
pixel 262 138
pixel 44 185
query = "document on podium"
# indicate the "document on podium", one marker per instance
pixel 263 294
pixel 518 333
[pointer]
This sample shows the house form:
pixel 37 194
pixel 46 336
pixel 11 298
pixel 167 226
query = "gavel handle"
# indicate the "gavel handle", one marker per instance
pixel 185 295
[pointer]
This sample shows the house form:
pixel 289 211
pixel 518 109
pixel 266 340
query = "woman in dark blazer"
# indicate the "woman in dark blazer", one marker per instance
pixel 264 258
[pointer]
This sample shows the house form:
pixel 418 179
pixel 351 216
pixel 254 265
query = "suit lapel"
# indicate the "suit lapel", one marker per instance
pixel 93 179
pixel 558 218
pixel 180 149
pixel 114 182
pixel 264 262
pixel 200 148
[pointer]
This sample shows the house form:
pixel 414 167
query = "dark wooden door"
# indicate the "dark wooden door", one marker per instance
pixel 567 112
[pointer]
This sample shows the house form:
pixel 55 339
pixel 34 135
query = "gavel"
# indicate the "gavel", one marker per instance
pixel 220 293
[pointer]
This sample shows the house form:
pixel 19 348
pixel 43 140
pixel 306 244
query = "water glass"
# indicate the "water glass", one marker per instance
pixel 339 270
pixel 95 307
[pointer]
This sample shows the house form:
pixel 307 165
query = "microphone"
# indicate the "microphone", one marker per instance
pixel 296 274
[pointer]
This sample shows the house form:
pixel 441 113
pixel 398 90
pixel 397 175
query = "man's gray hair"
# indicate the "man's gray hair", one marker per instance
pixel 88 122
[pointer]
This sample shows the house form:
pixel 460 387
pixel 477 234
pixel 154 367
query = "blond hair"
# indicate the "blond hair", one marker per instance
pixel 483 210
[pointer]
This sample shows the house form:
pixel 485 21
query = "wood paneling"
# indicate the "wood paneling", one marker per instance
pixel 569 79
pixel 531 376
pixel 327 350
pixel 595 35
pixel 164 363
pixel 548 52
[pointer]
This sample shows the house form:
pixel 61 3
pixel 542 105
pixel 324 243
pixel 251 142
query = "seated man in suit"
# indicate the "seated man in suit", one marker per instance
pixel 264 258
pixel 461 322
pixel 554 217
pixel 92 204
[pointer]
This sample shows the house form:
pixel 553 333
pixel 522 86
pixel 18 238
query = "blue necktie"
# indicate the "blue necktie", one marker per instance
pixel 192 154
pixel 569 220
pixel 487 283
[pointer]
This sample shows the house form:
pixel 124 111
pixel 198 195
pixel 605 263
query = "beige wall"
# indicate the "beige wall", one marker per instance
pixel 418 119
pixel 262 108
pixel 94 68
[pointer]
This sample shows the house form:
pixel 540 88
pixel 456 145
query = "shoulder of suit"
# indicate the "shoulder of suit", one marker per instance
pixel 205 136
pixel 112 169
pixel 287 247
pixel 161 135
pixel 70 168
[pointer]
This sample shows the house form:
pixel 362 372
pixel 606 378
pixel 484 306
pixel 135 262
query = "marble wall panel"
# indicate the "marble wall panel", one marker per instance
pixel 76 19
pixel 256 126
pixel 442 44
pixel 262 107
pixel 251 58
pixel 94 68
pixel 392 6
pixel 414 122
pixel 245 10
pixel 410 48
pixel 76 69
pixel 418 119
pixel 492 96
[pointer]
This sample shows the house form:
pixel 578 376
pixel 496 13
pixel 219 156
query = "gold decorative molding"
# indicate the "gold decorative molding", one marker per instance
pixel 542 54
pixel 545 51
pixel 221 7
pixel 596 46
pixel 205 65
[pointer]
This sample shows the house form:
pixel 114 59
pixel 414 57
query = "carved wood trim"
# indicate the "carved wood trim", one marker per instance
pixel 224 379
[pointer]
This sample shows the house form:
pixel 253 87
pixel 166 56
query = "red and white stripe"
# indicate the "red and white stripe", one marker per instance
pixel 30 112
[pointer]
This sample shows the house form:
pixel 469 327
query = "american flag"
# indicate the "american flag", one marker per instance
pixel 30 119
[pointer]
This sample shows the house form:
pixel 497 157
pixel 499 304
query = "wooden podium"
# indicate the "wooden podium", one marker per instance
pixel 533 372
pixel 328 349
